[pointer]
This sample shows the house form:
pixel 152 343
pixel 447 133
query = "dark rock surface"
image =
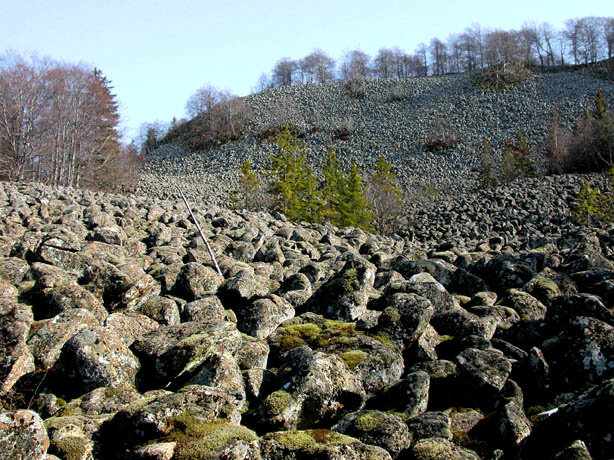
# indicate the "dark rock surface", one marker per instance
pixel 316 342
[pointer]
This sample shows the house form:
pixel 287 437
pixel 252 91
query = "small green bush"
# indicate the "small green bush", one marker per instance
pixel 595 205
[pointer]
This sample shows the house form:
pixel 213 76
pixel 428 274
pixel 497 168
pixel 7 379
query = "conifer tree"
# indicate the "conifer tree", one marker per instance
pixel 355 209
pixel 332 188
pixel 248 194
pixel 292 182
pixel 385 197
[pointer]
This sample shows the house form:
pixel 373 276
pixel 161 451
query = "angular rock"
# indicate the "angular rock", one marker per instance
pixel 378 429
pixel 484 372
pixel 130 326
pixel 47 342
pixel 430 424
pixel 96 357
pixel 316 388
pixel 321 444
pixel 173 354
pixel 440 448
pixel 242 287
pixel 162 310
pixel 405 317
pixel 22 436
pixel 207 308
pixel 586 417
pixel 345 295
pixel 260 318
pixel 16 359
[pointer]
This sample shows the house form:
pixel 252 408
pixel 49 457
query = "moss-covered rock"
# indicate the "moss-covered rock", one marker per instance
pixel 441 449
pixel 377 428
pixel 201 440
pixel 319 443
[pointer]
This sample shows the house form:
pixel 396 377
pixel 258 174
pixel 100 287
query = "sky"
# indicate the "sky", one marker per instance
pixel 158 53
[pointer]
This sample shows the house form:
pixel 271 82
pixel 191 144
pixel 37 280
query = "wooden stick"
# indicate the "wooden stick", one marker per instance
pixel 200 230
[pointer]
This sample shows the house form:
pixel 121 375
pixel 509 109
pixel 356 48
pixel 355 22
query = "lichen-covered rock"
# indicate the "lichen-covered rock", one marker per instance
pixel 123 286
pixel 409 395
pixel 377 428
pixel 443 384
pixel 173 354
pixel 162 310
pixel 344 297
pixel 261 317
pixel 514 426
pixel 583 352
pixel 101 401
pixel 61 248
pixel 47 342
pixel 576 451
pixel 96 357
pixel 196 280
pixel 221 371
pixel 207 308
pixel 319 387
pixel 483 372
pixel 462 323
pixel 244 286
pixel 55 292
pixel 432 424
pixel 321 444
pixel 16 359
pixel 527 306
pixel 72 437
pixel 405 317
pixel 14 269
pixel 254 353
pixel 153 416
pixel 111 234
pixel 441 449
pixel 374 360
pixel 130 326
pixel 22 436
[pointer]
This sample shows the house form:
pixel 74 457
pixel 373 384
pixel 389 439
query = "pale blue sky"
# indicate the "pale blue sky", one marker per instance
pixel 157 53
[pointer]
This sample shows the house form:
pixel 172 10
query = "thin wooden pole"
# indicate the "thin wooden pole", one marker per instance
pixel 200 230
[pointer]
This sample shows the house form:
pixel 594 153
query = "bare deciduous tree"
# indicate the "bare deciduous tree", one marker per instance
pixel 317 67
pixel 355 65
pixel 439 56
pixel 284 72
pixel 202 100
pixel 58 123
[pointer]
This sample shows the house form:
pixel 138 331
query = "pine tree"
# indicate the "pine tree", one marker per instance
pixel 355 209
pixel 292 182
pixel 248 194
pixel 385 197
pixel 332 188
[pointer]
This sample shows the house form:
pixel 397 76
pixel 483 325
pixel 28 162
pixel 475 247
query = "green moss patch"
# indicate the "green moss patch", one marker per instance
pixel 310 440
pixel 369 421
pixel 326 332
pixel 71 448
pixel 196 438
pixel 353 357
pixel 277 402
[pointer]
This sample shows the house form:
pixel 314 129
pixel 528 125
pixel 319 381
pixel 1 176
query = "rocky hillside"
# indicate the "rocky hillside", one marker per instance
pixel 489 336
pixel 395 118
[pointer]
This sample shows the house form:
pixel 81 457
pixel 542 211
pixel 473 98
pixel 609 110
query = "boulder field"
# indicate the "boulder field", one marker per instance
pixel 120 340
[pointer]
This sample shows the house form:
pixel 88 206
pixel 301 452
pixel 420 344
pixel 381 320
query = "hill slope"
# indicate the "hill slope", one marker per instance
pixel 382 125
